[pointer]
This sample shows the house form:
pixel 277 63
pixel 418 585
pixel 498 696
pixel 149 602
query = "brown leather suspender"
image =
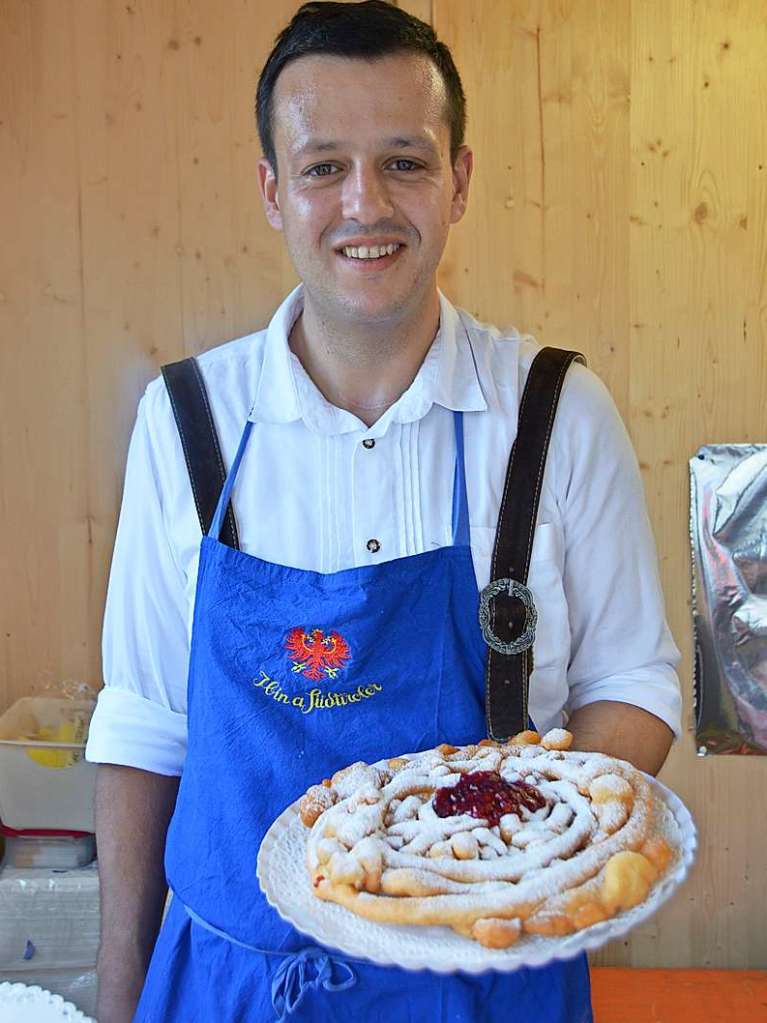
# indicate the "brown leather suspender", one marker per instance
pixel 507 612
pixel 199 440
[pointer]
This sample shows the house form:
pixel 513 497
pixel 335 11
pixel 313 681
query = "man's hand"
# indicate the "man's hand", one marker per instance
pixel 624 731
pixel 133 809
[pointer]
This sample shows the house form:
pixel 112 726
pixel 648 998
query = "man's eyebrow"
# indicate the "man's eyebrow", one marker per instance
pixel 397 142
pixel 412 142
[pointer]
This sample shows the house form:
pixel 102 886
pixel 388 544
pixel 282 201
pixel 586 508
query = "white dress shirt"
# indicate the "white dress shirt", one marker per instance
pixel 310 495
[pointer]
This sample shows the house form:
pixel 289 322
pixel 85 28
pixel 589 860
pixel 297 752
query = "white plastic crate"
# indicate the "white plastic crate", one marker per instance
pixel 45 780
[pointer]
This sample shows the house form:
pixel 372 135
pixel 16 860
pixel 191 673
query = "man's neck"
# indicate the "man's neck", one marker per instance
pixel 364 368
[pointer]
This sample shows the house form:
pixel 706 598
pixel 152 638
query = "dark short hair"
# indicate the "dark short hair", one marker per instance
pixel 369 30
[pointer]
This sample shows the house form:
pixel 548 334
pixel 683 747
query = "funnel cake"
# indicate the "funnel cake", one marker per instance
pixel 492 840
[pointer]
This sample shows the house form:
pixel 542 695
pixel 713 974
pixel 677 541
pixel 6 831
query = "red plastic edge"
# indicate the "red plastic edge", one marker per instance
pixel 41 833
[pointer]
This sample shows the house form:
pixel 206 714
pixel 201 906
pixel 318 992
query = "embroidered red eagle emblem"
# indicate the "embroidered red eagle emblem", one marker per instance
pixel 315 654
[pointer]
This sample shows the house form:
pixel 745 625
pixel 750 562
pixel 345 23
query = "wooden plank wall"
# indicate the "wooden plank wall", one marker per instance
pixel 619 206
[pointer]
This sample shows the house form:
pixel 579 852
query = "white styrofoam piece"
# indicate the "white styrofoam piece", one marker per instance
pixel 50 916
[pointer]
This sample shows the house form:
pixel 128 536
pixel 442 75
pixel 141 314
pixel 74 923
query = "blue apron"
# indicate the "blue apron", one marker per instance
pixel 293 675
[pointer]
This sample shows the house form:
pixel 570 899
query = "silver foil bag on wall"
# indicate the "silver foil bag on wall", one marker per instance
pixel 728 529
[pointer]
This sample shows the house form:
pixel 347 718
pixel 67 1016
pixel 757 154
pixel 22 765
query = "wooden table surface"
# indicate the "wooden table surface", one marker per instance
pixel 678 996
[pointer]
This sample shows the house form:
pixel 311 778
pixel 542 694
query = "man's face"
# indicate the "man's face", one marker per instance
pixel 363 159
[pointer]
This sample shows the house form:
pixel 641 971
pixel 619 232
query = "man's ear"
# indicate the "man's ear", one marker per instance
pixel 462 168
pixel 267 184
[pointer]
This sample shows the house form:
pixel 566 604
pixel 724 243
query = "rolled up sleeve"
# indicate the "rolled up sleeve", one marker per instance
pixel 621 646
pixel 140 717
pixel 129 729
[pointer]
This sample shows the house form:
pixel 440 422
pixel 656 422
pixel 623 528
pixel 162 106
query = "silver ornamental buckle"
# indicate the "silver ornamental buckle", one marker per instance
pixel 514 589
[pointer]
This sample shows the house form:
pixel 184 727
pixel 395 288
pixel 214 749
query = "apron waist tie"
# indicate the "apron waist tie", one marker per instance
pixel 294 977
pixel 309 967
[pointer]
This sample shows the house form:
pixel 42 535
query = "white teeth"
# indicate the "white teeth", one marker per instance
pixel 370 251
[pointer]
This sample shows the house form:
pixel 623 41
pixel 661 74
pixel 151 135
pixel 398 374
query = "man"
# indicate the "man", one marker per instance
pixel 355 518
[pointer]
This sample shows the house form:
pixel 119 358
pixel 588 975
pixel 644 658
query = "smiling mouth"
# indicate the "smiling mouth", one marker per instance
pixel 369 253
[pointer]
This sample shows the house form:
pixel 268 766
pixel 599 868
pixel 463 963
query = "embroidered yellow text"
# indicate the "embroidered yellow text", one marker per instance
pixel 315 699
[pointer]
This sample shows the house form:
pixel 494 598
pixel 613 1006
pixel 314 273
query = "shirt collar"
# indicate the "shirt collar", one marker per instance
pixel 285 392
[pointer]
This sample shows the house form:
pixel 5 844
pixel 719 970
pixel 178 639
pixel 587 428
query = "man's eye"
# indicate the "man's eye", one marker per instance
pixel 321 170
pixel 408 164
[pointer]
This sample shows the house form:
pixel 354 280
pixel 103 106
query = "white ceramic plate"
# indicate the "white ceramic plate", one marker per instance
pixel 284 880
pixel 22 1004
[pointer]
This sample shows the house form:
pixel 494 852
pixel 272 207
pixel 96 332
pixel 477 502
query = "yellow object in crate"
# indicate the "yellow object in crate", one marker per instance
pixel 67 731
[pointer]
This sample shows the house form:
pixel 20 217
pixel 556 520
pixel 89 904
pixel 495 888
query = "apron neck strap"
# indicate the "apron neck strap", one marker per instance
pixel 461 535
pixel 223 501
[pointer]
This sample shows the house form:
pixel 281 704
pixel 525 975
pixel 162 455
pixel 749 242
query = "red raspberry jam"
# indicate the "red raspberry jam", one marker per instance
pixel 485 795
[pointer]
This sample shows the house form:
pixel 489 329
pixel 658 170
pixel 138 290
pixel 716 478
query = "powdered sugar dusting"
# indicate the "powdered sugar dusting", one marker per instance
pixel 397 860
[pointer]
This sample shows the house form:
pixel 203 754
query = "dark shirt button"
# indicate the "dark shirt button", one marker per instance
pixel 373 546
pixel 368 443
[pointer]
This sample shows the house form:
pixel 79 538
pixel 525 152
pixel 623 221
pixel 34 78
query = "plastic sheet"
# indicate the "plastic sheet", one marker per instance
pixel 728 531
pixel 49 920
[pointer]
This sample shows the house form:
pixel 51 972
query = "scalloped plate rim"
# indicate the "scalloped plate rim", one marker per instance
pixel 57 1001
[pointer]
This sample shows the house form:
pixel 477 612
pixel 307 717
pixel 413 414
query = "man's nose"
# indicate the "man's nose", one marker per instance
pixel 365 196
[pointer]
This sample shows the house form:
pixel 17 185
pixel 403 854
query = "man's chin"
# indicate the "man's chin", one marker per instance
pixel 365 303
pixel 367 310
